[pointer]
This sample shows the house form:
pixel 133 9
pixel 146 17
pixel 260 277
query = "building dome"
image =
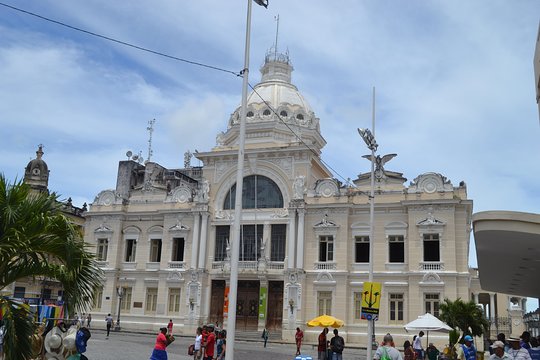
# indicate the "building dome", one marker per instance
pixel 36 173
pixel 277 91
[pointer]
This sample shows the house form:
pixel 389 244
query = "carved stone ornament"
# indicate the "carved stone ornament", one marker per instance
pixel 280 213
pixel 298 187
pixel 106 198
pixel 327 188
pixel 325 278
pixel 181 194
pixel 325 223
pixel 224 214
pixel 430 183
pixel 179 226
pixel 430 220
pixel 431 278
pixel 175 276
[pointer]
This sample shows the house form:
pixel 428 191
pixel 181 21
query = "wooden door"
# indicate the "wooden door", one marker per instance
pixel 247 305
pixel 216 302
pixel 275 305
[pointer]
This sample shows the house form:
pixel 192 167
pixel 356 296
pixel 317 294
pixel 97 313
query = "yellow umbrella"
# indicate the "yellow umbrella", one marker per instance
pixel 325 321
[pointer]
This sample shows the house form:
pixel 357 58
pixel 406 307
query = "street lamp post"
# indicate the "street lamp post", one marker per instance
pixel 235 248
pixel 120 292
pixel 369 139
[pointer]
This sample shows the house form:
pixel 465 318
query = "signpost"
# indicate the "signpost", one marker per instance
pixel 371 301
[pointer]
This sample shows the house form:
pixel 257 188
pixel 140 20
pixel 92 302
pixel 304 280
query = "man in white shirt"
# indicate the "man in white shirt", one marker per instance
pixel 517 352
pixel 387 350
pixel 417 346
pixel 499 354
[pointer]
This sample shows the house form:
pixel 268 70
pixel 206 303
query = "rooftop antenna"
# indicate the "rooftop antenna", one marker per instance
pixel 150 129
pixel 277 32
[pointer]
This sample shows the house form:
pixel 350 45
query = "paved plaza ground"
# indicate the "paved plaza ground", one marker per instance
pixel 134 346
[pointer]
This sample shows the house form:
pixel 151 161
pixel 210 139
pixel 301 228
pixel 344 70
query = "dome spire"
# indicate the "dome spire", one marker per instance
pixel 39 152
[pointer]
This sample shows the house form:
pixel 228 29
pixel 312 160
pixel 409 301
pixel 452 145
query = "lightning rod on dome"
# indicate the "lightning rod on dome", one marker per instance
pixel 277 32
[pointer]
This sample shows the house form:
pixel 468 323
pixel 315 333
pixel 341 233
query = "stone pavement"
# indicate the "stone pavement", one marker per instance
pixel 135 346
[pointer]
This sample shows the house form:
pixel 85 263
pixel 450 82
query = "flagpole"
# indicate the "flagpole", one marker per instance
pixel 235 248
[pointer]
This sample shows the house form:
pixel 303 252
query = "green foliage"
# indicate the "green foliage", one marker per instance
pixel 464 316
pixel 38 240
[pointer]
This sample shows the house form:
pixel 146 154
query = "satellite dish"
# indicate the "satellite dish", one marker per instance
pixel 135 157
pixel 129 153
pixel 141 159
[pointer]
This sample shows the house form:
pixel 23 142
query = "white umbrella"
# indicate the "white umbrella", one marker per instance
pixel 427 322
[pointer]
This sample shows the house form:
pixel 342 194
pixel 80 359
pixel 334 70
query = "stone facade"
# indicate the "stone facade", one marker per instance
pixel 163 235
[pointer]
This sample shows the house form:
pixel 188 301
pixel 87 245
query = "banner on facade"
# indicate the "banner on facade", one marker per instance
pixel 371 300
pixel 226 303
pixel 263 297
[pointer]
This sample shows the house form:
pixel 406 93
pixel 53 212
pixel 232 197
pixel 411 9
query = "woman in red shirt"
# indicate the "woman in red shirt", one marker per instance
pixel 298 337
pixel 160 349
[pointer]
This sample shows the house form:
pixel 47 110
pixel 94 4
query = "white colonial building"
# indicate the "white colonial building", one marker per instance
pixel 162 235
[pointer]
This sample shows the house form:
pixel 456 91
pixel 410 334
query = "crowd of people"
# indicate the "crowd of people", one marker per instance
pixel 210 343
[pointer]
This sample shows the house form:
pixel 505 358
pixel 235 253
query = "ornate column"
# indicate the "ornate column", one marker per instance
pixel 300 240
pixel 291 241
pixel 492 307
pixel 475 298
pixel 204 240
pixel 195 240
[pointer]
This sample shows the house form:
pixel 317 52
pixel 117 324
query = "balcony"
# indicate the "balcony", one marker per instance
pixel 431 266
pixel 176 265
pixel 153 266
pixel 129 265
pixel 275 265
pixel 325 265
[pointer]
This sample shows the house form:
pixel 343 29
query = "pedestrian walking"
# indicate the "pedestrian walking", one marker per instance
pixel 169 327
pixel 498 351
pixel 265 336
pixel 160 348
pixel 417 346
pixel 221 345
pixel 298 337
pixel 197 346
pixel 387 349
pixel 337 344
pixel 322 346
pixel 517 352
pixel 88 320
pixel 408 352
pixel 109 320
pixel 210 343
pixel 467 351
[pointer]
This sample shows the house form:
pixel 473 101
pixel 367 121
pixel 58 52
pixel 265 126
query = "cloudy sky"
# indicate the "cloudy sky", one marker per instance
pixel 454 80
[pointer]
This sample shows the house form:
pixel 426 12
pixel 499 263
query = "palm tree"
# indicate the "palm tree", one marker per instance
pixel 465 316
pixel 38 240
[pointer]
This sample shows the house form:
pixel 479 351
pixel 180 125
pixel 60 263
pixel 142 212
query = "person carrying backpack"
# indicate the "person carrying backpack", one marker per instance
pixel 337 344
pixel 387 351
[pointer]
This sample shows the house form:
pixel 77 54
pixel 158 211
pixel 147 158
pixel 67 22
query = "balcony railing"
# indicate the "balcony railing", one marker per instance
pixel 176 265
pixel 325 265
pixel 129 265
pixel 431 266
pixel 275 265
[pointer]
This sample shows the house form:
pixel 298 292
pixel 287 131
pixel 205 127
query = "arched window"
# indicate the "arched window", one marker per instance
pixel 283 113
pixel 258 192
pixel 249 114
pixel 266 112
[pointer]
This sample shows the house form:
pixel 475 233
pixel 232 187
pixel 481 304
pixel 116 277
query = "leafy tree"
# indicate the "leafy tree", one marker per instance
pixel 38 240
pixel 465 316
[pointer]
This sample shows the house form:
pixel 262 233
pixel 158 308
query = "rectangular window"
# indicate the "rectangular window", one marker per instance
pixel 432 304
pixel 357 305
pixel 250 244
pixel 324 299
pixel 155 250
pixel 431 247
pixel 326 248
pixel 396 308
pixel 396 248
pixel 174 301
pixel 19 292
pixel 131 247
pixel 277 242
pixel 361 249
pixel 46 294
pixel 102 248
pixel 125 302
pixel 222 240
pixel 98 298
pixel 151 300
pixel 178 249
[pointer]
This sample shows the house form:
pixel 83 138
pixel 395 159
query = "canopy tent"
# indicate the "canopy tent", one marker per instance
pixel 427 322
pixel 325 321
